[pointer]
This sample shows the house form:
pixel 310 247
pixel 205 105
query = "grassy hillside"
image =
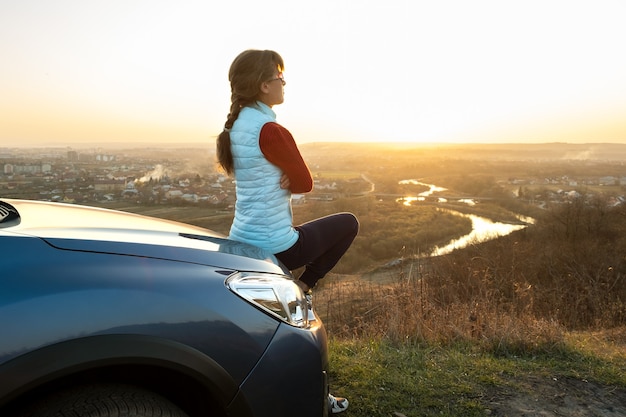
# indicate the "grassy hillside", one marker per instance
pixel 527 325
pixel 530 324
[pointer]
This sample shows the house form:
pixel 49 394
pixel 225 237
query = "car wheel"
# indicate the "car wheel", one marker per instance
pixel 106 400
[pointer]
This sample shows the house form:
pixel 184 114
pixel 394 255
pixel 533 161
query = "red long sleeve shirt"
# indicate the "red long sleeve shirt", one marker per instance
pixel 279 147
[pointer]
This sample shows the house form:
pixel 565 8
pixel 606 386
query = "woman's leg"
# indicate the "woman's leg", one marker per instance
pixel 321 244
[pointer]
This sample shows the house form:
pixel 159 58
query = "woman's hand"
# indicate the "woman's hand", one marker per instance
pixel 284 182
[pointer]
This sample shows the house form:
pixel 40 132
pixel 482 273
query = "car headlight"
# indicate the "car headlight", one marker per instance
pixel 276 294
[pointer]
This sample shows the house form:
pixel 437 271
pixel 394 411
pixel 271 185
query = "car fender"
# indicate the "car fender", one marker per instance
pixel 54 362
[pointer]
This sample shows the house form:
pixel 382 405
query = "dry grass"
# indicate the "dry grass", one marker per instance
pixel 405 310
pixel 517 294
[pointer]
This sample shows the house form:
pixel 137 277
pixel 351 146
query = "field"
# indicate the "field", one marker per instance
pixel 532 324
pixel 337 175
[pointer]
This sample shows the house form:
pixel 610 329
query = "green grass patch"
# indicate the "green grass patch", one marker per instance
pixel 382 379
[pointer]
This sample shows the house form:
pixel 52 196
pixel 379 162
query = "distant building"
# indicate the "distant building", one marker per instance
pixel 109 185
pixel 191 198
pixel 29 169
pixel 173 194
pixel 609 180
pixel 105 158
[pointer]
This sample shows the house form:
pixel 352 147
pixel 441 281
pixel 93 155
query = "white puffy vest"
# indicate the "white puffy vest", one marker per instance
pixel 263 215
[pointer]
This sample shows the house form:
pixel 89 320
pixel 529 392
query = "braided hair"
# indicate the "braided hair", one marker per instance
pixel 247 72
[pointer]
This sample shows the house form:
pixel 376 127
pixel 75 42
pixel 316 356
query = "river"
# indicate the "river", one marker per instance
pixel 483 229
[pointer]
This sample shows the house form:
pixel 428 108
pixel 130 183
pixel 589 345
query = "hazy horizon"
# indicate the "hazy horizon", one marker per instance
pixel 399 71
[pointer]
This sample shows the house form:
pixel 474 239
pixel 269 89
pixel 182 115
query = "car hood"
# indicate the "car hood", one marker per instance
pixel 83 228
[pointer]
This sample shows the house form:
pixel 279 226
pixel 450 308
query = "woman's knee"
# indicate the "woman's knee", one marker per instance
pixel 351 221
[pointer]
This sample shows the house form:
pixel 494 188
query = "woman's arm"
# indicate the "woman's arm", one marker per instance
pixel 279 147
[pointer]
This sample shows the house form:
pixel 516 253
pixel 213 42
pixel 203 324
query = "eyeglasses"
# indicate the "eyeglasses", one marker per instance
pixel 279 78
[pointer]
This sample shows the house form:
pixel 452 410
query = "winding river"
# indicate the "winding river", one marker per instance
pixel 483 229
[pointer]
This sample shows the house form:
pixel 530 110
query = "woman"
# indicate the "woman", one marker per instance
pixel 268 167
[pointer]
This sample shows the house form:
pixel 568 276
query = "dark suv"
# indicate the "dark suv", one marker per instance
pixel 104 313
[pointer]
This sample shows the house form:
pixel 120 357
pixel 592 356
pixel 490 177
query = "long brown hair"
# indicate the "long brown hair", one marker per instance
pixel 247 72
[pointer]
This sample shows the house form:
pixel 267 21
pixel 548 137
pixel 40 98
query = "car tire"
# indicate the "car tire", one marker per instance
pixel 105 400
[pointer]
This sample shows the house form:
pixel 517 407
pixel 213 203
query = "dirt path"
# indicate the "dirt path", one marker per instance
pixel 551 397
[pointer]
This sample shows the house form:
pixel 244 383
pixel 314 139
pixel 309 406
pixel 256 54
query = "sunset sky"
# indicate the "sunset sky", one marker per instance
pixel 155 71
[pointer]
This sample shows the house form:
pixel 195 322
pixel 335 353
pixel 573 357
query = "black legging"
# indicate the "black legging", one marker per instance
pixel 321 244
